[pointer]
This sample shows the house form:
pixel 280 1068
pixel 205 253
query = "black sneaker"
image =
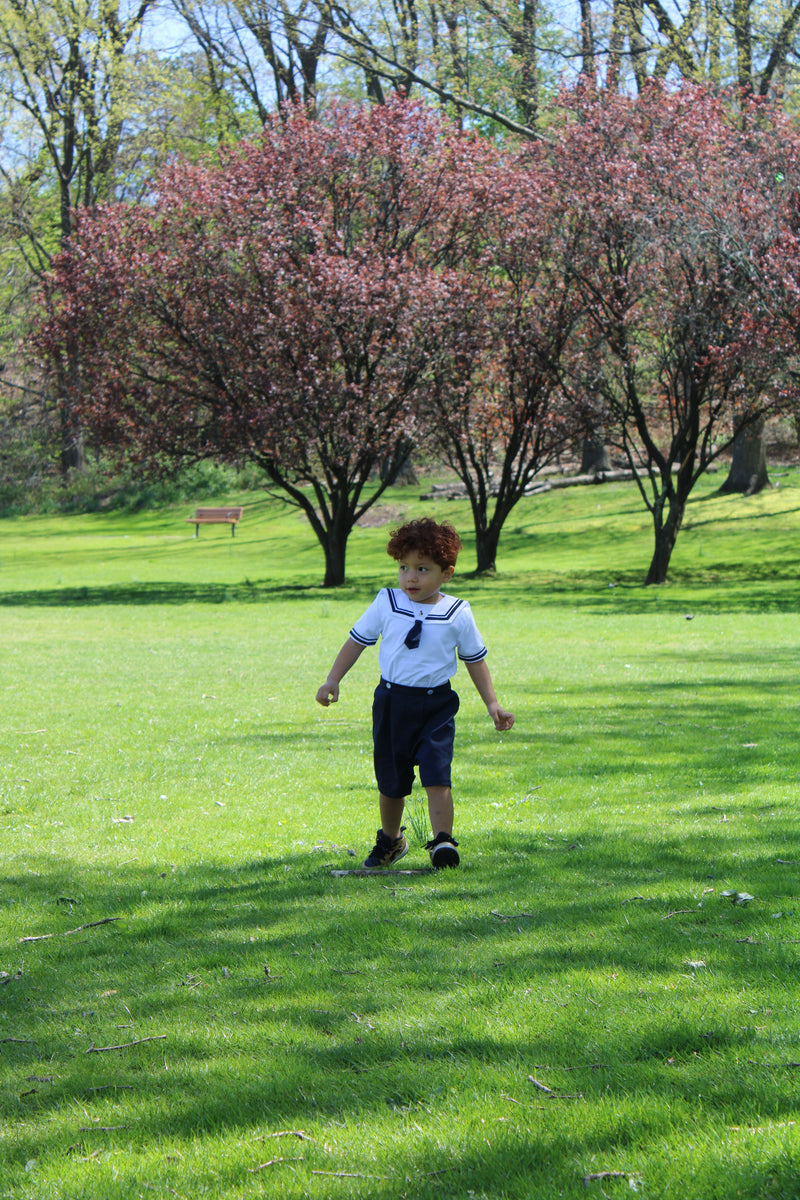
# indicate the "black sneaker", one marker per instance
pixel 387 851
pixel 443 851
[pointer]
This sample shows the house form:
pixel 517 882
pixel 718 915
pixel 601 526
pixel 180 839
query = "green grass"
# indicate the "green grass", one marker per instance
pixel 290 1033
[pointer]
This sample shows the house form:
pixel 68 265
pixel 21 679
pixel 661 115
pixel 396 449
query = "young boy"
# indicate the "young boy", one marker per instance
pixel 422 630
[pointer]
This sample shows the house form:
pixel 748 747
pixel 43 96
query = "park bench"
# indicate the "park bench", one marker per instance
pixel 215 516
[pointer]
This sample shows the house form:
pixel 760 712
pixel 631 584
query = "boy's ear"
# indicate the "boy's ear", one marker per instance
pixel 448 574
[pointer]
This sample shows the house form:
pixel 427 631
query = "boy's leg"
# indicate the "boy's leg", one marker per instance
pixel 391 810
pixel 440 809
pixel 390 845
pixel 442 846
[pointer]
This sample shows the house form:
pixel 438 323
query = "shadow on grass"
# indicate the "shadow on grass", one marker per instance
pixel 269 994
pixel 713 588
pixel 164 593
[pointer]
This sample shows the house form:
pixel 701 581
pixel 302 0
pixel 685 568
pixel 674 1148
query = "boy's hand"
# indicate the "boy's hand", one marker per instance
pixel 328 694
pixel 502 719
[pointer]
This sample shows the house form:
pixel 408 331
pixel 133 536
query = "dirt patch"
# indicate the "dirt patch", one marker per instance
pixel 381 514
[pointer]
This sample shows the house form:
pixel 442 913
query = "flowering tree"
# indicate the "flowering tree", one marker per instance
pixel 279 308
pixel 773 263
pixel 499 413
pixel 667 194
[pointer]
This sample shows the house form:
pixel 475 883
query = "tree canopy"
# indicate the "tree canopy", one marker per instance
pixel 339 286
pixel 668 195
pixel 281 307
pixel 96 97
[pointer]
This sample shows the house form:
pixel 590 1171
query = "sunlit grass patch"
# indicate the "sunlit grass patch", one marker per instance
pixel 191 1003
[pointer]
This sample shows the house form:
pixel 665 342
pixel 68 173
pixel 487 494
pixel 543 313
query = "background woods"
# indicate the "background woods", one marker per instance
pixel 343 287
pixel 631 297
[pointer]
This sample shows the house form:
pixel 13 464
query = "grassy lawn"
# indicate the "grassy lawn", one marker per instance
pixel 191 1003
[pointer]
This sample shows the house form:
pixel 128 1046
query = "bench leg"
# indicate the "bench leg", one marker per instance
pixel 197 531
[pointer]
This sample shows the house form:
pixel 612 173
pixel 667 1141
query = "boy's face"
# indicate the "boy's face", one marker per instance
pixel 421 578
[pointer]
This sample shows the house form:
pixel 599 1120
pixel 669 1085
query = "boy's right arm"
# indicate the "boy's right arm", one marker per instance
pixel 347 656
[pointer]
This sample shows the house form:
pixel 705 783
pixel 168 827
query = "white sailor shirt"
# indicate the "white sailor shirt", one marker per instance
pixel 448 633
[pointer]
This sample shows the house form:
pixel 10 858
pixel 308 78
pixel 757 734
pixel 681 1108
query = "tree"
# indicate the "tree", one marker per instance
pixel 498 413
pixel 721 43
pixel 65 71
pixel 281 307
pixel 774 263
pixel 748 471
pixel 262 53
pixel 667 195
pixel 487 62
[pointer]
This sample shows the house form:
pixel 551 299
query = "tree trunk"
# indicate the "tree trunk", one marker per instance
pixel 594 455
pixel 666 533
pixel 335 555
pixel 588 67
pixel 72 455
pixel 69 385
pixel 748 473
pixel 525 44
pixel 71 433
pixel 397 468
pixel 486 543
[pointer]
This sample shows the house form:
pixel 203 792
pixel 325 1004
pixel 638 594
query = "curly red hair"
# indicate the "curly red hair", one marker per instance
pixel 426 536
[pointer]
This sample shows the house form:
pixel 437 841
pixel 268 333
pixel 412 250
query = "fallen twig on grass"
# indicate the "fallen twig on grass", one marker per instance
pixel 157 1037
pixel 598 1175
pixel 41 937
pixel 298 1133
pixel 272 1162
pixel 541 1086
pixel 392 871
pixel 554 1095
pixel 677 912
pixel 345 1175
pixel 786 1066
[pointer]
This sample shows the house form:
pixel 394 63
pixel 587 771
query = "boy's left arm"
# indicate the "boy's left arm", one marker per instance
pixel 480 676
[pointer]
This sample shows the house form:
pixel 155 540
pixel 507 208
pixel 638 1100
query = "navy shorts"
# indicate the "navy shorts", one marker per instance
pixel 413 726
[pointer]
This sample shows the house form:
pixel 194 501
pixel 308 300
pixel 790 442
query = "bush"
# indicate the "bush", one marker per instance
pixel 102 488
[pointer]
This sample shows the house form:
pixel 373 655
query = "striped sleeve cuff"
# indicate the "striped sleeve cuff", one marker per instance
pixel 362 641
pixel 471 658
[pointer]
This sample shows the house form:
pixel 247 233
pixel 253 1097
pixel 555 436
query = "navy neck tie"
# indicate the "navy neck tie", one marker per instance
pixel 412 637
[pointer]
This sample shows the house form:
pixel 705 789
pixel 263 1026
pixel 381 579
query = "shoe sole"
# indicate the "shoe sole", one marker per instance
pixel 445 856
pixel 382 866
